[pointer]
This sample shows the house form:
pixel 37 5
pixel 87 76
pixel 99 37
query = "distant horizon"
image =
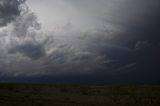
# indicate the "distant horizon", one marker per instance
pixel 78 80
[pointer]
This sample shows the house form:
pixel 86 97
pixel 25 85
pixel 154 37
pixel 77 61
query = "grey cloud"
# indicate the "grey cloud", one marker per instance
pixel 34 51
pixel 24 23
pixel 23 36
pixel 131 12
pixel 142 45
pixel 9 10
pixel 67 59
pixel 109 47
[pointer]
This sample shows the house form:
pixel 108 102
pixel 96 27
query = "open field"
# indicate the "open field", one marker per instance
pixel 78 95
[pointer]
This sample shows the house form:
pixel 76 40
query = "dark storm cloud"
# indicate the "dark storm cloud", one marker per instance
pixel 24 30
pixel 124 41
pixel 9 10
pixel 20 49
pixel 142 22
pixel 34 51
pixel 141 19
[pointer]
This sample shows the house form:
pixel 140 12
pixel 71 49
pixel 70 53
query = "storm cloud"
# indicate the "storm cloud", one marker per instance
pixel 9 10
pixel 105 37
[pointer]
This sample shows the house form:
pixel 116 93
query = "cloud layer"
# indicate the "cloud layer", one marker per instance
pixel 104 37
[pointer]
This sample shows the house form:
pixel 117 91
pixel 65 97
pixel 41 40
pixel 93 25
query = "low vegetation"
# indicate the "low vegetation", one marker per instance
pixel 78 95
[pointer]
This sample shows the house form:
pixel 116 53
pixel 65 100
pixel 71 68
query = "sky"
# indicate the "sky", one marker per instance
pixel 80 41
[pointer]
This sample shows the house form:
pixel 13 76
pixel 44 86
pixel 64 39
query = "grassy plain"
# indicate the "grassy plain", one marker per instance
pixel 78 95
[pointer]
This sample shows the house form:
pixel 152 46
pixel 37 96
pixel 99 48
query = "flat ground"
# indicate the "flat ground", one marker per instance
pixel 78 95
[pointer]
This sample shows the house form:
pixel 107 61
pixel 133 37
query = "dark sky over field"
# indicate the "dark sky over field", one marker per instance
pixel 80 41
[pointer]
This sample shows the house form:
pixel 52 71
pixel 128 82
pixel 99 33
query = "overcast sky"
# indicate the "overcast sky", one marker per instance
pixel 109 41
